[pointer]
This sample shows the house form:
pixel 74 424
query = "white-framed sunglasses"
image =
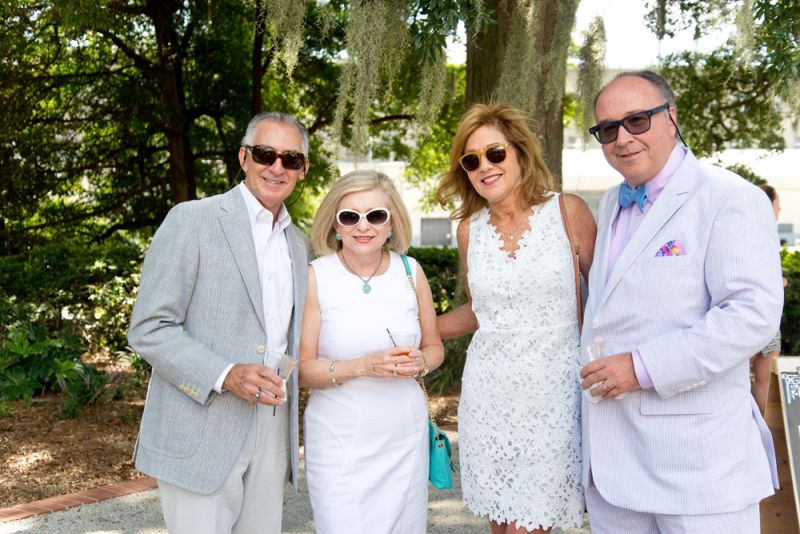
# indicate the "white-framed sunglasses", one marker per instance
pixel 375 217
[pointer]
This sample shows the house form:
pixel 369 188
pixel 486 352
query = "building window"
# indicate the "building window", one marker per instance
pixel 435 232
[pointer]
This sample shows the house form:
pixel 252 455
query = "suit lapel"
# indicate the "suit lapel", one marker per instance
pixel 604 242
pixel 236 226
pixel 298 254
pixel 669 201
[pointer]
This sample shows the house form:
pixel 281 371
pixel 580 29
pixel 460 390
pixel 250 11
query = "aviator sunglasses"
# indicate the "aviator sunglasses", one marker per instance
pixel 265 155
pixel 635 124
pixel 495 153
pixel 375 217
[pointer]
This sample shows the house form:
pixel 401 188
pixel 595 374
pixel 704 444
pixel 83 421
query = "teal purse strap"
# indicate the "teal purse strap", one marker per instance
pixel 420 380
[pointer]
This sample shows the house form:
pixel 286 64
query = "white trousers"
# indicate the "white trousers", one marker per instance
pixel 250 500
pixel 605 518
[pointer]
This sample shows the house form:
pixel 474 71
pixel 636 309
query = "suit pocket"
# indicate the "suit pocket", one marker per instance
pixel 173 425
pixel 689 403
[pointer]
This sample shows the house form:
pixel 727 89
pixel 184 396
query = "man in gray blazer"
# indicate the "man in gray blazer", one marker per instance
pixel 684 287
pixel 223 286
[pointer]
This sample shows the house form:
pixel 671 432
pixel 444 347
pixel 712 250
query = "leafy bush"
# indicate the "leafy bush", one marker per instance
pixel 790 323
pixel 442 269
pixel 87 289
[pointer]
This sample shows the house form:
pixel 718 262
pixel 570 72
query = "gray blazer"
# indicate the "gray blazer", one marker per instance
pixel 199 309
pixel 695 443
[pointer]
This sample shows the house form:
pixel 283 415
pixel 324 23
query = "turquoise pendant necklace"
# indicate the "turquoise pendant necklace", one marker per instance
pixel 366 288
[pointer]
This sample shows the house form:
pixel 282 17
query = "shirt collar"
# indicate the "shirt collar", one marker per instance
pixel 660 180
pixel 254 208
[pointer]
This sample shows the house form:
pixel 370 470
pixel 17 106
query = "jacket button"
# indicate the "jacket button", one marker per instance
pixel 261 349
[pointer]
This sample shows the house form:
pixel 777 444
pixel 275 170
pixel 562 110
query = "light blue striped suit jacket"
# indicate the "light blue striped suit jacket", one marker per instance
pixel 695 443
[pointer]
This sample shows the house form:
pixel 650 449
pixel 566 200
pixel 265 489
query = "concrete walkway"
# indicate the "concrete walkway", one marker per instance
pixel 140 513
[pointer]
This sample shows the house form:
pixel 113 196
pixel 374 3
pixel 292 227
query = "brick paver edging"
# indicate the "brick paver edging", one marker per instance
pixel 65 502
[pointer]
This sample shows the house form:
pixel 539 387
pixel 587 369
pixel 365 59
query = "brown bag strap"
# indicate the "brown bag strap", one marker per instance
pixel 575 262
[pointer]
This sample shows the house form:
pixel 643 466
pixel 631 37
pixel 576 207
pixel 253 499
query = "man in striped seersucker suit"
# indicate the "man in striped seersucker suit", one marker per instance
pixel 223 285
pixel 685 285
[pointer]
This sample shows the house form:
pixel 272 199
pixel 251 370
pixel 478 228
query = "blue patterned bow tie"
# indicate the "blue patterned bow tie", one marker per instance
pixel 628 195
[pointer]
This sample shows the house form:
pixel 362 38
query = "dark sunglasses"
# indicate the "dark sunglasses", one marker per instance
pixel 494 153
pixel 635 124
pixel 376 217
pixel 265 155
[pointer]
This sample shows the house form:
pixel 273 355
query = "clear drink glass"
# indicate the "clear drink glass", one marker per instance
pixel 282 363
pixel 596 351
pixel 590 353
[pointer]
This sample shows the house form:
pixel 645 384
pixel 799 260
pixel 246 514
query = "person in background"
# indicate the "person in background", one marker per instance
pixel 761 362
pixel 684 287
pixel 518 417
pixel 223 284
pixel 366 432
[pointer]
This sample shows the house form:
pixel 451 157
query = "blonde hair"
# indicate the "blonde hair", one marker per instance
pixel 322 232
pixel 537 182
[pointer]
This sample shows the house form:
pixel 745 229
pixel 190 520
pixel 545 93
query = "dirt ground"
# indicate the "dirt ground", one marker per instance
pixel 43 455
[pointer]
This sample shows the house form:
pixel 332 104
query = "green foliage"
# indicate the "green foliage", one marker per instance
pixel 430 156
pixel 666 17
pixel 747 173
pixel 66 285
pixel 590 75
pixel 723 101
pixel 790 323
pixel 80 385
pixel 441 267
pixel 31 361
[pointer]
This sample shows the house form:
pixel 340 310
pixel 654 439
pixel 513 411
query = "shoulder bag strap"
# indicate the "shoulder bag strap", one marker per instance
pixel 420 380
pixel 575 262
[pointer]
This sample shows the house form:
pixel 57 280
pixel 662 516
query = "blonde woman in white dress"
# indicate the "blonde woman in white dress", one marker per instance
pixel 519 414
pixel 366 434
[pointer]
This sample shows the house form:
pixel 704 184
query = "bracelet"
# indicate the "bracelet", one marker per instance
pixel 425 369
pixel 333 378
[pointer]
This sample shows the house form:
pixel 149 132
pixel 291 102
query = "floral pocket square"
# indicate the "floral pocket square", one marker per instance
pixel 671 248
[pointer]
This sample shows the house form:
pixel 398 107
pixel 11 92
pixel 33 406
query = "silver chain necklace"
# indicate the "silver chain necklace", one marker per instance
pixel 366 288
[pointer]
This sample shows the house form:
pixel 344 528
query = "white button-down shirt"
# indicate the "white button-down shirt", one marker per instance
pixel 274 271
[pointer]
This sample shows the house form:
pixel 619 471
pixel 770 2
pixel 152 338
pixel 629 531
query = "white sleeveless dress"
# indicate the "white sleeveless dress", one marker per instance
pixel 519 415
pixel 366 442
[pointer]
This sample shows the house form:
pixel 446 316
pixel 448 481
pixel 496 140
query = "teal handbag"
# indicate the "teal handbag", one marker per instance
pixel 440 472
pixel 441 466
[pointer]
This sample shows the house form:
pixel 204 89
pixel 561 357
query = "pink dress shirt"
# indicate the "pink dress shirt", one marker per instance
pixel 627 222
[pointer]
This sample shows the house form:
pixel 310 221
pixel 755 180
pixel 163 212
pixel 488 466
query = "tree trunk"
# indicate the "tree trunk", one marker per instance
pixel 176 122
pixel 486 51
pixel 257 70
pixel 554 18
pixel 522 61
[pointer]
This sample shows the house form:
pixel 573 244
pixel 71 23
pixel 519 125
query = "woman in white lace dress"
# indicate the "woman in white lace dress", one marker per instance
pixel 519 415
pixel 366 434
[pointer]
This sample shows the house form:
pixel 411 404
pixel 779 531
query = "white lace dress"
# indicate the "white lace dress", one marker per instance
pixel 519 415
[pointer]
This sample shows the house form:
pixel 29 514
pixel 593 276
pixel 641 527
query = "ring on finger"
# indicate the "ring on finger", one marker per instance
pixel 606 389
pixel 258 394
pixel 394 370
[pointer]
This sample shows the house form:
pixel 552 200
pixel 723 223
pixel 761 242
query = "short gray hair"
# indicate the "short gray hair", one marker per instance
pixel 276 116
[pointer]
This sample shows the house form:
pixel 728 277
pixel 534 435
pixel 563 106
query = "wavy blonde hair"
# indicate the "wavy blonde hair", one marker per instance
pixel 536 182
pixel 322 232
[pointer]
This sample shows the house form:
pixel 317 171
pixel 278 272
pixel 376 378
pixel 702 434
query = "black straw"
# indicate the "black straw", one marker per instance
pixel 390 337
